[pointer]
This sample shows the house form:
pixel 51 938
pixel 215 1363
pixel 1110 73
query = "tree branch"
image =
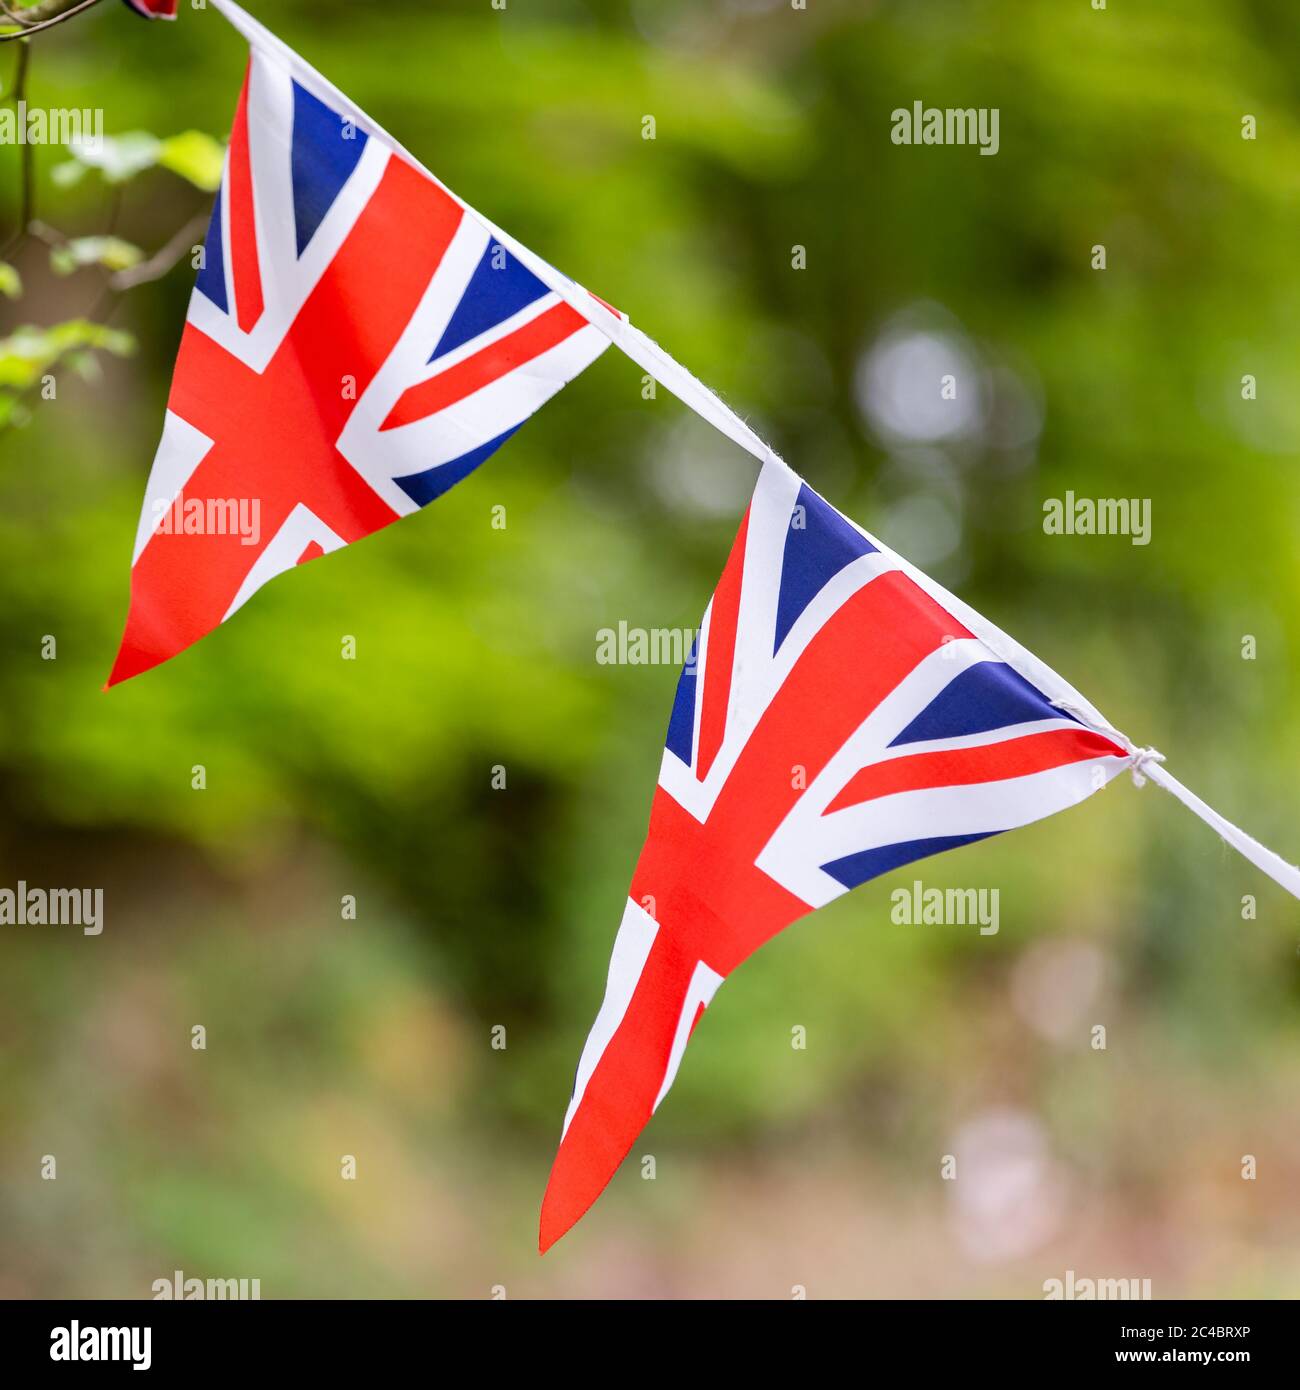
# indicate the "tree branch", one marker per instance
pixel 27 208
pixel 162 260
pixel 44 15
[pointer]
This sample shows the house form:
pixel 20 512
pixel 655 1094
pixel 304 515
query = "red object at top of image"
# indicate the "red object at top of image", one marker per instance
pixel 154 9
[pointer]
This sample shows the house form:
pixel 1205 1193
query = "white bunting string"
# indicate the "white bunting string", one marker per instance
pixel 1145 763
pixel 1259 855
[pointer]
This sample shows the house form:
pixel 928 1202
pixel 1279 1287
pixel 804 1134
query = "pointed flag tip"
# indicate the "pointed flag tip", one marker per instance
pixel 117 675
pixel 134 657
pixel 550 1228
pixel 121 672
pixel 564 1205
pixel 575 1183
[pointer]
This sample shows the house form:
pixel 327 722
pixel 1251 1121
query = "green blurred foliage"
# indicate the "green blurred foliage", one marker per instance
pixel 476 649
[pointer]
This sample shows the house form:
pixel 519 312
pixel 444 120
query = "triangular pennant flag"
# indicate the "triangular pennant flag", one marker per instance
pixel 836 721
pixel 358 340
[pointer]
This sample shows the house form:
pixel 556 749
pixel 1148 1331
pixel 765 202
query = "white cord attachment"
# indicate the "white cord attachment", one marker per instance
pixel 1143 758
pixel 1145 763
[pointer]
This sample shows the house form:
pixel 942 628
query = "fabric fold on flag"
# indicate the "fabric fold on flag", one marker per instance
pixel 358 341
pixel 836 721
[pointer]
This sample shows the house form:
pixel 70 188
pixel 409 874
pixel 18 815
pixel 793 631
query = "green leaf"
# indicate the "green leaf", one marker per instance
pixel 196 157
pixel 109 251
pixel 191 155
pixel 13 412
pixel 67 174
pixel 11 283
pixel 118 157
pixel 77 333
pixel 30 351
pixel 85 364
pixel 23 354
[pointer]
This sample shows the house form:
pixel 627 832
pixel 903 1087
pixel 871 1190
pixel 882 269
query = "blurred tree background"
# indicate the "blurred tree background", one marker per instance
pixel 480 908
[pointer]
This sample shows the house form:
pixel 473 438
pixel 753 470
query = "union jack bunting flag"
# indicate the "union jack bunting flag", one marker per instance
pixel 154 9
pixel 835 722
pixel 357 342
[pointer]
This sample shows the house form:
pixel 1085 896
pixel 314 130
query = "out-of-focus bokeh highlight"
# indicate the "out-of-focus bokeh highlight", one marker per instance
pixel 481 909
